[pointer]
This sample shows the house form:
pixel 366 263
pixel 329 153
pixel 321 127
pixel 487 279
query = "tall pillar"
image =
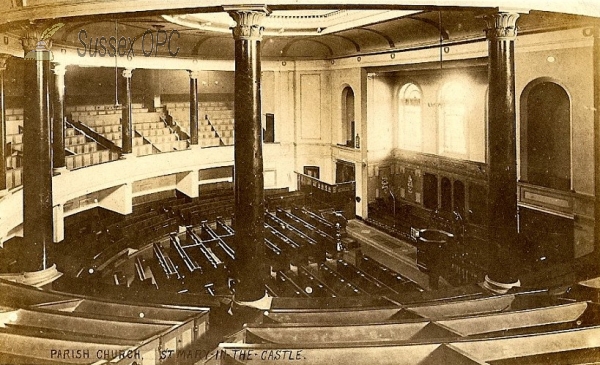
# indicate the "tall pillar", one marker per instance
pixel 596 69
pixel 37 154
pixel 248 157
pixel 58 118
pixel 194 107
pixel 126 115
pixel 502 151
pixel 3 152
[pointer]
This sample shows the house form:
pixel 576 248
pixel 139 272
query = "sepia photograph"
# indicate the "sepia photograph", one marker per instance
pixel 310 182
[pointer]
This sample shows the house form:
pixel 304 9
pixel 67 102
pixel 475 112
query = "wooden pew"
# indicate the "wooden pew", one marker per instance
pixel 340 285
pixel 307 247
pixel 313 285
pixel 315 238
pixel 418 330
pixel 290 249
pixel 458 308
pixel 386 275
pixel 166 263
pixel 544 347
pixel 215 270
pixel 284 286
pixel 130 329
pixel 38 350
pixel 219 245
pixel 183 258
pixel 364 281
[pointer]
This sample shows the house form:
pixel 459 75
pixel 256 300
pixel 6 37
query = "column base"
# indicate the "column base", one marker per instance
pixel 34 278
pixel 263 303
pixel 60 170
pixel 499 288
pixel 127 156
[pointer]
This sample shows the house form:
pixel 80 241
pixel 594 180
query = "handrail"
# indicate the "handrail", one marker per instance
pixel 99 138
pixel 321 185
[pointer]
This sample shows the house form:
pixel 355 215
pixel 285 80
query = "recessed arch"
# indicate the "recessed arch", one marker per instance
pixel 381 34
pixel 348 118
pixel 356 45
pixel 286 48
pixel 436 25
pixel 546 134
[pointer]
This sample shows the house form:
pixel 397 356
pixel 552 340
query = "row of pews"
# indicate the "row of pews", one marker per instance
pixel 303 251
pixel 520 328
pixel 47 327
pixel 81 149
pixel 151 131
pixel 94 134
pixel 215 124
pixel 329 307
pixel 113 238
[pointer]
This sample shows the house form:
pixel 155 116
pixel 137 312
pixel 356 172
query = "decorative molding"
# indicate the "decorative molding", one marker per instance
pixel 501 26
pixel 248 22
pixel 59 69
pixel 551 201
pixel 127 73
pixel 30 40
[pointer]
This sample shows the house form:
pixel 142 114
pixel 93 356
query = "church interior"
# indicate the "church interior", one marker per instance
pixel 368 182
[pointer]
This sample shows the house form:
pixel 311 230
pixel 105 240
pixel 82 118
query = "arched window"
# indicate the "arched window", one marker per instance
pixel 453 118
pixel 546 135
pixel 409 112
pixel 348 124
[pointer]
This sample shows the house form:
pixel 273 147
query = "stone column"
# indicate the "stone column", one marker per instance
pixel 37 154
pixel 248 158
pixel 596 69
pixel 58 118
pixel 3 152
pixel 126 115
pixel 194 107
pixel 502 152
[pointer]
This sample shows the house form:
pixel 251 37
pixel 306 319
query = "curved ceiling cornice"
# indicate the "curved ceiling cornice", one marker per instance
pixel 332 33
pixel 33 10
pixel 293 22
pixel 382 34
pixel 435 24
pixel 286 48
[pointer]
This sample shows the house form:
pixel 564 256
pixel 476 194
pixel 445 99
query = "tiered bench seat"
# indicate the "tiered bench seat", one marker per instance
pixel 554 347
pixel 414 330
pixel 51 327
pixel 215 121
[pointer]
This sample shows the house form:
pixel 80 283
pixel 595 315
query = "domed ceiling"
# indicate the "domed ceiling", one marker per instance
pixel 296 34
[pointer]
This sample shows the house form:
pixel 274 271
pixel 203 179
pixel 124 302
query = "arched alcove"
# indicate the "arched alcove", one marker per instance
pixel 348 123
pixel 546 135
pixel 446 196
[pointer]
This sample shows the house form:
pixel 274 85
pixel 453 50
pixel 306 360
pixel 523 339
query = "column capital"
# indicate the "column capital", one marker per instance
pixel 248 21
pixel 501 25
pixel 30 39
pixel 59 69
pixel 127 73
pixel 38 38
pixel 194 74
